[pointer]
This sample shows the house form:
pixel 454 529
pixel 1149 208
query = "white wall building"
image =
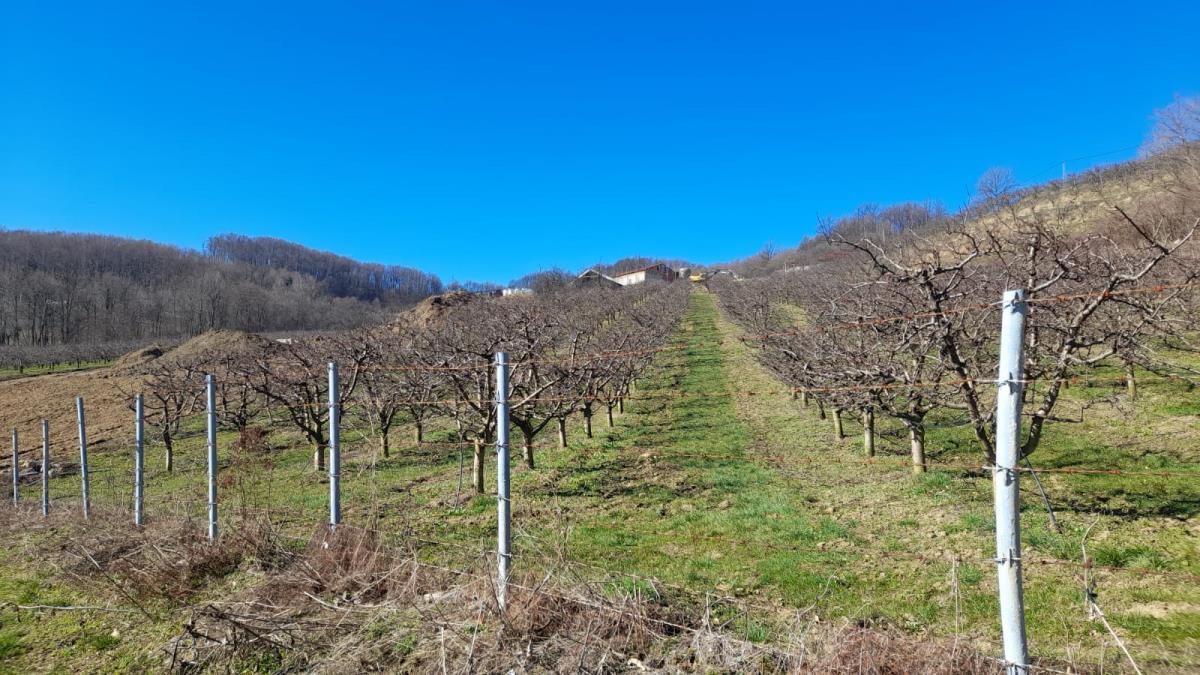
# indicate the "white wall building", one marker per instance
pixel 655 272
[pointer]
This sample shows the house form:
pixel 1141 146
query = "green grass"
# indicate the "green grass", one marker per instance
pixel 904 524
pixel 32 371
pixel 732 496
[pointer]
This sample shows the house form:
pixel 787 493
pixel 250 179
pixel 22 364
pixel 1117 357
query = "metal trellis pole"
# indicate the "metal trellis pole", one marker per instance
pixel 16 468
pixel 139 459
pixel 503 505
pixel 211 396
pixel 85 487
pixel 335 450
pixel 1005 485
pixel 45 467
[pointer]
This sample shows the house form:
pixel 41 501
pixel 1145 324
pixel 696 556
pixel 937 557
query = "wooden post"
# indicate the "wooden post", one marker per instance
pixel 869 431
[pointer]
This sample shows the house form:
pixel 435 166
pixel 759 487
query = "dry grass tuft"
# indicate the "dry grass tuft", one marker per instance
pixel 167 561
pixel 888 651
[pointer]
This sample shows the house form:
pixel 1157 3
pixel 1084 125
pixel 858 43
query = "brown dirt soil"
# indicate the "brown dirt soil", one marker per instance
pixel 25 402
pixel 219 342
pixel 138 357
pixel 431 310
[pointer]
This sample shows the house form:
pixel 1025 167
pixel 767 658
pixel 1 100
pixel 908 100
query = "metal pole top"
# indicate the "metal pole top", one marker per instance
pixel 1014 296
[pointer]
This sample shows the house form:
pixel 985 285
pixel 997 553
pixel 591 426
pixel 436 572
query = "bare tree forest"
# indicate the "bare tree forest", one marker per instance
pixel 60 289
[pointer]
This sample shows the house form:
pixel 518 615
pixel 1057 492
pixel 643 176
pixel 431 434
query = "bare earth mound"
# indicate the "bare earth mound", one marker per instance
pixel 431 310
pixel 138 357
pixel 219 343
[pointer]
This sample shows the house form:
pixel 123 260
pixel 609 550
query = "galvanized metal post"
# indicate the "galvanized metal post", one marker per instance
pixel 45 467
pixel 85 487
pixel 16 469
pixel 503 505
pixel 1005 484
pixel 335 450
pixel 211 396
pixel 139 458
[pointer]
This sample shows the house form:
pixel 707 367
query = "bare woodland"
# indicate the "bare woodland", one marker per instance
pixel 70 297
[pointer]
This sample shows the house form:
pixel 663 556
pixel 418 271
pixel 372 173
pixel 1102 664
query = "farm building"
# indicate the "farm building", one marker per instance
pixel 594 278
pixel 516 291
pixel 655 272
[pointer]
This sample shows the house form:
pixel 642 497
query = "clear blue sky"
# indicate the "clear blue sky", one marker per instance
pixel 483 141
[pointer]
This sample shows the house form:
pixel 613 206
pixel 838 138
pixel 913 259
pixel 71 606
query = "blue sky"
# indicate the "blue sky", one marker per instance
pixel 485 140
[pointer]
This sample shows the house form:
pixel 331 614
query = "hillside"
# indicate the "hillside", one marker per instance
pixel 86 291
pixel 715 526
pixel 1081 202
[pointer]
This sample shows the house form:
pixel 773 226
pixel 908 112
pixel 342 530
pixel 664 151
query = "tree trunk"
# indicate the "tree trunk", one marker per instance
pixel 169 444
pixel 611 424
pixel 587 422
pixel 319 457
pixel 562 432
pixel 419 433
pixel 869 432
pixel 838 432
pixel 457 495
pixel 1130 382
pixel 916 436
pixel 804 398
pixel 477 467
pixel 385 445
pixel 820 408
pixel 527 436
